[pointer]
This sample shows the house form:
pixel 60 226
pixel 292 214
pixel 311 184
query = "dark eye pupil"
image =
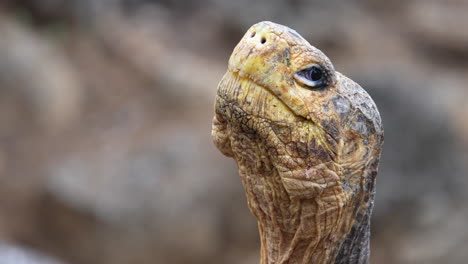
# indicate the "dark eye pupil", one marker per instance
pixel 315 73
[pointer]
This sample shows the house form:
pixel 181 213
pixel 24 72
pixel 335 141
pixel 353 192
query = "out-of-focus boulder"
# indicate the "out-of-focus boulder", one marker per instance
pixel 36 76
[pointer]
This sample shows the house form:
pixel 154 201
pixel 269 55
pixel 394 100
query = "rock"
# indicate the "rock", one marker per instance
pixel 439 27
pixel 36 73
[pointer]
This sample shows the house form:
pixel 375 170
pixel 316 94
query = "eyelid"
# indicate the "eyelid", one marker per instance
pixel 310 66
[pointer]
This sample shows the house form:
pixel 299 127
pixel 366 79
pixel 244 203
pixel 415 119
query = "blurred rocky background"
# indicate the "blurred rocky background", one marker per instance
pixel 105 120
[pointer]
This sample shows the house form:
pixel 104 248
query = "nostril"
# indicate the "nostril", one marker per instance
pixel 263 40
pixel 253 34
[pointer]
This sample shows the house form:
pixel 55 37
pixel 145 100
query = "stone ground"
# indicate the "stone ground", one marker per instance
pixel 106 111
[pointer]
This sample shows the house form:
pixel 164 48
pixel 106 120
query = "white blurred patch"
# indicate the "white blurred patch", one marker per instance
pixel 10 254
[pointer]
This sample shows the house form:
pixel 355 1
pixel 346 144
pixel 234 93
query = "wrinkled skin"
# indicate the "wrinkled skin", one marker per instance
pixel 307 157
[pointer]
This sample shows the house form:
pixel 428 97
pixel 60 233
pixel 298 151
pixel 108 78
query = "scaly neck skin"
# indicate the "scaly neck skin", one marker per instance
pixel 298 230
pixel 277 247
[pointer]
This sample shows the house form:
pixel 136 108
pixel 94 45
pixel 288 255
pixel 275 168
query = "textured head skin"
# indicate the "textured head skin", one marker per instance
pixel 307 157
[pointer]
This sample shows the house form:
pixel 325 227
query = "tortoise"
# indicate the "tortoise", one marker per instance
pixel 307 142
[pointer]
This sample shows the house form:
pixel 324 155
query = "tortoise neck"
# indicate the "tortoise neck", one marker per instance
pixel 297 230
pixel 309 215
pixel 278 247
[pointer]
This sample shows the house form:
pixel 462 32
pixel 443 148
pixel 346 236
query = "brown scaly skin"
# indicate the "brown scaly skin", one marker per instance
pixel 307 157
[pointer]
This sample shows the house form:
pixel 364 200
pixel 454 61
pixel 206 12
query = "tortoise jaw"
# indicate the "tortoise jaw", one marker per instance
pixel 255 100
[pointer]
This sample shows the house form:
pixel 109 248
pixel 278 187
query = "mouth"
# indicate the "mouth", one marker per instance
pixel 254 99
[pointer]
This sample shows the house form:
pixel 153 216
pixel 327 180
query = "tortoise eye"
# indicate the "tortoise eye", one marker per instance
pixel 313 77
